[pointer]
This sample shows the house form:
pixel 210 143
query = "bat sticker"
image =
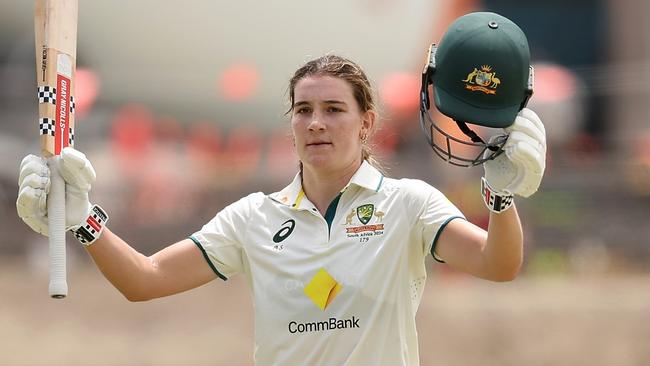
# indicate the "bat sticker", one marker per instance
pixel 64 74
pixel 46 94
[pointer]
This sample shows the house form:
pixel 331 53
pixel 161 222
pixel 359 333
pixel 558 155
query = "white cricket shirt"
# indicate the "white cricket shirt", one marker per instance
pixel 336 290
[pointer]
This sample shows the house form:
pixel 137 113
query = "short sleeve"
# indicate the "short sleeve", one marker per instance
pixel 434 212
pixel 222 238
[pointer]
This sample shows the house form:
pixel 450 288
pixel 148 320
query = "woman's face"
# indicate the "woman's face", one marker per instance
pixel 327 124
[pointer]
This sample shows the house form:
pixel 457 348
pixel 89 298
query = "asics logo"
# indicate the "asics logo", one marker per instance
pixel 285 231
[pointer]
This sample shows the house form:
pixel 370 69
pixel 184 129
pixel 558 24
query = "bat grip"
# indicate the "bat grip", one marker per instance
pixel 56 215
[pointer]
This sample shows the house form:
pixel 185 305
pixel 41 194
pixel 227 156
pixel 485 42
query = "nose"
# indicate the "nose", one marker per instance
pixel 315 124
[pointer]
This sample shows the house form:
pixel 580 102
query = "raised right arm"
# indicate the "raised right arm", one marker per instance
pixel 176 268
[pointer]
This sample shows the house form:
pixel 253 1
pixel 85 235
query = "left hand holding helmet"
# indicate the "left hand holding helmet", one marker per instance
pixel 520 168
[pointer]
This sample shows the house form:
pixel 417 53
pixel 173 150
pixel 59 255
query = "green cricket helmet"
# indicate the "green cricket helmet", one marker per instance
pixel 481 75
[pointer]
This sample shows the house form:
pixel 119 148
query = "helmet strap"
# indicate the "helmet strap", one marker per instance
pixel 473 135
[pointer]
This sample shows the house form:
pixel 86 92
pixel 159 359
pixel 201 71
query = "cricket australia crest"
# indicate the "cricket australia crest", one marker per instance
pixel 364 213
pixel 484 80
pixel 365 231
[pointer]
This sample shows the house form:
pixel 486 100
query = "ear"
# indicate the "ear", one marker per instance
pixel 367 122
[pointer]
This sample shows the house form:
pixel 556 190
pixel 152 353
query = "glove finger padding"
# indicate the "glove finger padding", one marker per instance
pixel 529 123
pixel 33 186
pixel 32 196
pixel 79 174
pixel 76 169
pixel 36 166
pixel 36 181
pixel 523 148
pixel 528 154
pixel 520 169
pixel 32 208
pixel 530 168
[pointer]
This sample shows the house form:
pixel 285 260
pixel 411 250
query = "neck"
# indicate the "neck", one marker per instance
pixel 321 187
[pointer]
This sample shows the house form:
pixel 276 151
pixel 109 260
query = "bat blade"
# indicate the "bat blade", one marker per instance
pixel 55 24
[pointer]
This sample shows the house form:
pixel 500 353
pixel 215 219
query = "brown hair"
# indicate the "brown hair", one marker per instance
pixel 340 67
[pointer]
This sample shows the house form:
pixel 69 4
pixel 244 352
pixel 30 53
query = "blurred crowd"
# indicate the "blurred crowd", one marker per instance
pixel 161 177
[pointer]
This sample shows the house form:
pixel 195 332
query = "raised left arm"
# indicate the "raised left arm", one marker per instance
pixel 497 254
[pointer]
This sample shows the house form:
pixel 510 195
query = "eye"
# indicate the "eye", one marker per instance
pixel 334 109
pixel 302 110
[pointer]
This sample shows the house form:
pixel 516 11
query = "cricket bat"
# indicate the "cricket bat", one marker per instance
pixel 55 24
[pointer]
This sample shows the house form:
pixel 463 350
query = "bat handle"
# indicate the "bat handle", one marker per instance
pixel 56 215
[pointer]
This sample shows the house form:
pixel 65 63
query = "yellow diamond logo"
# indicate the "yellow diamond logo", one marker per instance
pixel 322 289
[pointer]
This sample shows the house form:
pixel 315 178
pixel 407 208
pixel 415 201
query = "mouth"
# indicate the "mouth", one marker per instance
pixel 318 143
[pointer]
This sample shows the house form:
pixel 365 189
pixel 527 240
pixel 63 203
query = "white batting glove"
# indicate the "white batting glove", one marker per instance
pixel 520 168
pixel 34 185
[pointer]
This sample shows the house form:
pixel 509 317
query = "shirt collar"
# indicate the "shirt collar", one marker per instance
pixel 290 195
pixel 367 176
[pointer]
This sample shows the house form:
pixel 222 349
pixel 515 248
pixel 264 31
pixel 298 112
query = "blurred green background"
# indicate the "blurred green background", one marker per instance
pixel 180 107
